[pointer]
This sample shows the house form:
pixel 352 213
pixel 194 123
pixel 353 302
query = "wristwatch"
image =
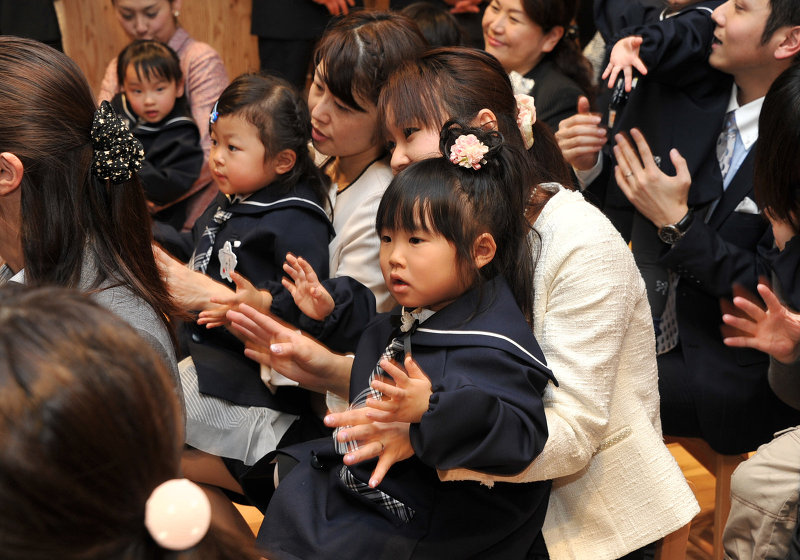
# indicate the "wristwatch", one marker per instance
pixel 672 233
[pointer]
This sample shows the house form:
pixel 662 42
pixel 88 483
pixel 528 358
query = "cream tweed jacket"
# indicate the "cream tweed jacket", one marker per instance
pixel 616 486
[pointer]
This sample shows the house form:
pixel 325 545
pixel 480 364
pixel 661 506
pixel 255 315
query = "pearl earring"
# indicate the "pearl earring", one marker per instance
pixel 176 13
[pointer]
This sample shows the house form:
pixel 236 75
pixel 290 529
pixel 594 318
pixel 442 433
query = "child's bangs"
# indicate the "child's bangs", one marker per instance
pixel 423 197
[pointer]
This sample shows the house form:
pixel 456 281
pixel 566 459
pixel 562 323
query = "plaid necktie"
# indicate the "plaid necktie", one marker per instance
pixel 202 253
pixel 667 339
pixel 394 351
pixel 726 143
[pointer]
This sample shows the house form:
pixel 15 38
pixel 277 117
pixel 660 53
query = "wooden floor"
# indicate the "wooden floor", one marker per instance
pixel 701 482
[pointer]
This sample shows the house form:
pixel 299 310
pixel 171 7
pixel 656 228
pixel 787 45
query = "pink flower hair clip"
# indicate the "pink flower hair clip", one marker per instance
pixel 468 151
pixel 526 117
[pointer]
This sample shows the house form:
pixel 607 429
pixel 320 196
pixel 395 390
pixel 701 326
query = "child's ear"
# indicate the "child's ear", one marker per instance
pixel 790 45
pixel 179 88
pixel 486 119
pixel 284 161
pixel 11 171
pixel 484 249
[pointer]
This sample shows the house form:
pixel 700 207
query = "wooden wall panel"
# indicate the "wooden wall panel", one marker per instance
pixel 92 35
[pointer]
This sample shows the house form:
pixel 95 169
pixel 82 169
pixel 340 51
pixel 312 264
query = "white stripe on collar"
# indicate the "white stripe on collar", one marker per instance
pixel 287 199
pixel 489 334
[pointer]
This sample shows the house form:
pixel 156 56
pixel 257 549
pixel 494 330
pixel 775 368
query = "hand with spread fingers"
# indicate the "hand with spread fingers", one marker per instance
pixel 624 57
pixel 660 198
pixel 290 352
pixel 774 330
pixel 308 293
pixel 389 442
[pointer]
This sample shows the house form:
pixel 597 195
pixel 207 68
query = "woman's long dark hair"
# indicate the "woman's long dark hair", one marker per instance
pixel 69 216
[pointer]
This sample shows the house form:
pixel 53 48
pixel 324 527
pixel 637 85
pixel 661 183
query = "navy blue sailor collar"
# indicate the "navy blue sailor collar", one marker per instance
pixel 459 325
pixel 270 199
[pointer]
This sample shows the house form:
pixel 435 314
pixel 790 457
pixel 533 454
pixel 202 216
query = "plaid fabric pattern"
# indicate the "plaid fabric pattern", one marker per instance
pixel 394 351
pixel 668 337
pixel 725 143
pixel 202 253
pixel 396 507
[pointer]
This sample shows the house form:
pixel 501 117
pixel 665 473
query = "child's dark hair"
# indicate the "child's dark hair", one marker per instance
pixel 461 203
pixel 359 51
pixel 777 171
pixel 439 27
pixel 281 116
pixel 90 424
pixel 151 59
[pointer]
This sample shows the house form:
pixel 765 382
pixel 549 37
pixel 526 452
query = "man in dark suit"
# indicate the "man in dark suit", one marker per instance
pixel 288 32
pixel 709 390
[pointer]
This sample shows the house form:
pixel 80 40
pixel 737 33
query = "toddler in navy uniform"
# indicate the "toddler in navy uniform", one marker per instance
pixel 153 104
pixel 272 201
pixel 454 254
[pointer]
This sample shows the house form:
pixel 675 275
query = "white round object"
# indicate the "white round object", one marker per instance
pixel 177 514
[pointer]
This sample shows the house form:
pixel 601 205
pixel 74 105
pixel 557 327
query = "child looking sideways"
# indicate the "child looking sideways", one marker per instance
pixel 477 376
pixel 272 201
pixel 153 104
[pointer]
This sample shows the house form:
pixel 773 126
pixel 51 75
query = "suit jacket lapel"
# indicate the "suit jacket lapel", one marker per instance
pixel 741 186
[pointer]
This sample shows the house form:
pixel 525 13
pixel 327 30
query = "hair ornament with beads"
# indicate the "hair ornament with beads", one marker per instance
pixel 117 152
pixel 467 151
pixel 177 514
pixel 526 117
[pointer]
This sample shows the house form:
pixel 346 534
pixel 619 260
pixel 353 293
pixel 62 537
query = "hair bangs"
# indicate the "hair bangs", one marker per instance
pixel 342 70
pixel 412 97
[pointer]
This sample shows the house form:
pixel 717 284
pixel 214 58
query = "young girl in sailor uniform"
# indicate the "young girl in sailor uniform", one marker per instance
pixel 272 201
pixel 454 254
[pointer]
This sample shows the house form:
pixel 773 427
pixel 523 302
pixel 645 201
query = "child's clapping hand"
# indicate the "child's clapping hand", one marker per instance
pixel 404 401
pixel 308 293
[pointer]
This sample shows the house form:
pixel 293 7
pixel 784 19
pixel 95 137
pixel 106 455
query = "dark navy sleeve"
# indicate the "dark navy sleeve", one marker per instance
pixel 486 414
pixel 172 164
pixel 785 265
pixel 676 49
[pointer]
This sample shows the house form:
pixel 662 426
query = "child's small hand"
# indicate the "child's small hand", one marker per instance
pixel 406 400
pixel 624 56
pixel 309 295
pixel 246 292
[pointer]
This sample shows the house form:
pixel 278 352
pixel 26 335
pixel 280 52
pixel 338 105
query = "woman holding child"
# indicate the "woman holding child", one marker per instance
pixel 203 71
pixel 590 317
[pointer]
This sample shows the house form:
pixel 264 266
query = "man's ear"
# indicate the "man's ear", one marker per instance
pixel 284 161
pixel 790 45
pixel 11 171
pixel 484 249
pixel 486 119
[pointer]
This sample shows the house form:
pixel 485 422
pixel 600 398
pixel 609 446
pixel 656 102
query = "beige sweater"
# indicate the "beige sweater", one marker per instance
pixel 616 486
